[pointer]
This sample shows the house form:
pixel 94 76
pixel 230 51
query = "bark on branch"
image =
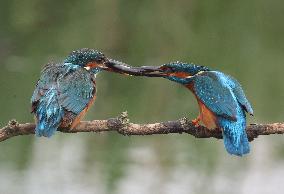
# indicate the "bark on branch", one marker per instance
pixel 122 125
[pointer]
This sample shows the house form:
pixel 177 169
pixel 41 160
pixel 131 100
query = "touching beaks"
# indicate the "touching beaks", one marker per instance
pixel 152 71
pixel 123 68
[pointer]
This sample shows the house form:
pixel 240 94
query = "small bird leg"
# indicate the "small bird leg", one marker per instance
pixel 196 121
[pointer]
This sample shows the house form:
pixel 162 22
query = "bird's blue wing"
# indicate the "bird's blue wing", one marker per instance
pixel 60 88
pixel 240 95
pixel 215 95
pixel 49 113
pixel 45 104
pixel 224 96
pixel 76 90
pixel 49 75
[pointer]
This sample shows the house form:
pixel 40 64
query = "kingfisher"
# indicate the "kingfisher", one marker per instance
pixel 220 97
pixel 65 91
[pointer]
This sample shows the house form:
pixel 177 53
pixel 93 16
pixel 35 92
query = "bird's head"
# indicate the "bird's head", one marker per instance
pixel 95 61
pixel 175 71
pixel 89 59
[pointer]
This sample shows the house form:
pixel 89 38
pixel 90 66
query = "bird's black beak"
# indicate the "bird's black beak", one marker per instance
pixel 123 68
pixel 152 71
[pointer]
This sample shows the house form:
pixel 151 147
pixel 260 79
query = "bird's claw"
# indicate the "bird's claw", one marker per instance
pixel 195 122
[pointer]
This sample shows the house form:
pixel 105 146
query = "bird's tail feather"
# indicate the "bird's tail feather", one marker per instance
pixel 49 114
pixel 236 141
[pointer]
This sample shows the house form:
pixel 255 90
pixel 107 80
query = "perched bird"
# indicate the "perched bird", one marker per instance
pixel 65 91
pixel 221 99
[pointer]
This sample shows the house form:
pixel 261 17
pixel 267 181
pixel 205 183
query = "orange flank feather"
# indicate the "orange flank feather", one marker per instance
pixel 206 116
pixel 82 114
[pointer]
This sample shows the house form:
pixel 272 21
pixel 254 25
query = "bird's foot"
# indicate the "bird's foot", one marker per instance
pixel 196 121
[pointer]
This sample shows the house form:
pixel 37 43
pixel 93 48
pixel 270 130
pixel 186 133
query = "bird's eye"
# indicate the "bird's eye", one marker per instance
pixel 100 60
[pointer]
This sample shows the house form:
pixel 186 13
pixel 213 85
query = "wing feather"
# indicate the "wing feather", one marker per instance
pixel 215 95
pixel 60 88
pixel 240 95
pixel 76 90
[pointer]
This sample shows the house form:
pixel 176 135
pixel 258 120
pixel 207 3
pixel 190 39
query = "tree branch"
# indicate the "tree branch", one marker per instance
pixel 122 125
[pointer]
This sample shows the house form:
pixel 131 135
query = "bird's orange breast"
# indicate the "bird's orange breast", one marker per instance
pixel 207 117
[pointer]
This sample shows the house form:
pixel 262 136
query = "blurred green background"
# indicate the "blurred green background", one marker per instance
pixel 241 38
